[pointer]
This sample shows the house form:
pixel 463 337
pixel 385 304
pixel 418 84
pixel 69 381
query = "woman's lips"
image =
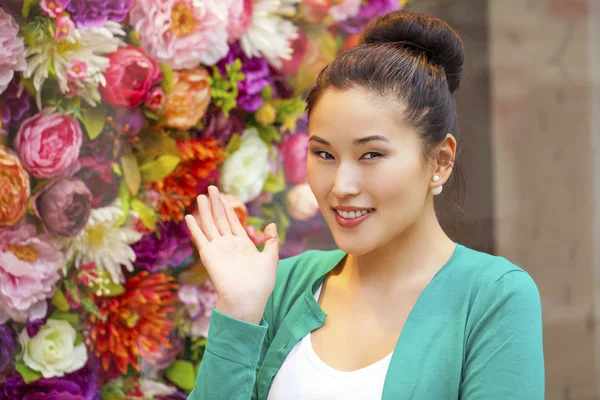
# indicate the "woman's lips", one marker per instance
pixel 351 222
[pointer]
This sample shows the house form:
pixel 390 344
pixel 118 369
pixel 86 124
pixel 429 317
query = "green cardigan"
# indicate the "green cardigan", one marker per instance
pixel 475 332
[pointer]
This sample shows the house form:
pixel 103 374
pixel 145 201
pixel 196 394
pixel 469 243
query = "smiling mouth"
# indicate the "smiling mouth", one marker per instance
pixel 353 214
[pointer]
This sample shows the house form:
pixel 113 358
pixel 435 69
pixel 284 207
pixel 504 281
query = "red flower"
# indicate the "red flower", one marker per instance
pixel 129 77
pixel 135 325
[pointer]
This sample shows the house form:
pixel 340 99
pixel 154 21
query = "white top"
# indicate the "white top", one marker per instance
pixel 303 376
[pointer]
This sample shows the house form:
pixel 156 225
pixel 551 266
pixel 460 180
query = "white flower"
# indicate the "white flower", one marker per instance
pixel 270 34
pixel 103 243
pixel 244 172
pixel 151 389
pixel 88 45
pixel 301 202
pixel 52 351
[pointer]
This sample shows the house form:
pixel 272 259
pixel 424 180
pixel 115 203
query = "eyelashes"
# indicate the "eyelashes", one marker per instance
pixel 324 155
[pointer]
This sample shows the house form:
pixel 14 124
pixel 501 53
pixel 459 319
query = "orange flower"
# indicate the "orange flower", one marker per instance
pixel 14 185
pixel 135 324
pixel 191 177
pixel 189 99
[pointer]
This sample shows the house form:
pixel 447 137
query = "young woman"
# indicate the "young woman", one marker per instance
pixel 399 311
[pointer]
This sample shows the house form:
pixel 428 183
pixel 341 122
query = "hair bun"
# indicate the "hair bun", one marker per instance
pixel 429 35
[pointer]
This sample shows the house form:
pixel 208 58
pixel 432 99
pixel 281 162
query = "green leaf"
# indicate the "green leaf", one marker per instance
pixel 93 120
pixel 27 373
pixel 267 93
pixel 160 168
pixel 116 169
pixel 256 222
pixel 274 183
pixel 91 307
pixel 147 215
pixel 72 319
pixel 78 338
pixel 27 4
pixel 234 144
pixel 112 391
pixel 168 81
pixel 124 196
pixel 182 373
pixel 131 172
pixel 60 301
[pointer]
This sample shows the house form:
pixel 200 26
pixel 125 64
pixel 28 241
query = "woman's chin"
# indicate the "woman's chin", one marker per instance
pixel 353 244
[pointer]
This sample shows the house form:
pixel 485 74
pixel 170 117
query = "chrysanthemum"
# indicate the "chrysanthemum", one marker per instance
pixel 179 190
pixel 270 33
pixel 102 242
pixel 135 325
pixel 54 56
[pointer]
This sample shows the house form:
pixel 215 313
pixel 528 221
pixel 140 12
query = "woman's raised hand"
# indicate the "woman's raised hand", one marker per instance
pixel 243 276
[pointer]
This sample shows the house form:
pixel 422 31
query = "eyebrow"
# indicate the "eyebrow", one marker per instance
pixel 358 141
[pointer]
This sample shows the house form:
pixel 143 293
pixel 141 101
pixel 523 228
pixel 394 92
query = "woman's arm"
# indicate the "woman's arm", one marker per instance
pixel 504 357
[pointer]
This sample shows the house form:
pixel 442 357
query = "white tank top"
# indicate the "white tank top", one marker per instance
pixel 303 376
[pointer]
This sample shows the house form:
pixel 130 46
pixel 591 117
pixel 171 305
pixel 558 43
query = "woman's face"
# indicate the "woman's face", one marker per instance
pixel 366 169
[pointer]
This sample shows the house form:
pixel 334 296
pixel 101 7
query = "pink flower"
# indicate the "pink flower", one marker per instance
pixel 156 99
pixel 77 70
pixel 48 143
pixel 345 10
pixel 64 27
pixel 294 150
pixel 53 8
pixel 240 17
pixel 182 33
pixel 208 299
pixel 29 267
pixel 12 50
pixel 301 202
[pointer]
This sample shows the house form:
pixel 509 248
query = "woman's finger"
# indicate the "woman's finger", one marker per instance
pixel 218 211
pixel 196 232
pixel 207 224
pixel 234 222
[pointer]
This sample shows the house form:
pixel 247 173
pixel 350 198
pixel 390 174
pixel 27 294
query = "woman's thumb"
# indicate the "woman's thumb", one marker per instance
pixel 271 239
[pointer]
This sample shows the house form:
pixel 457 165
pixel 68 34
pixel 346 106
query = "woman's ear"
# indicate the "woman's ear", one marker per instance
pixel 444 162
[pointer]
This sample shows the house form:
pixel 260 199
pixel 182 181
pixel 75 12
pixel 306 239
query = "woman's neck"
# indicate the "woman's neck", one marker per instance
pixel 416 255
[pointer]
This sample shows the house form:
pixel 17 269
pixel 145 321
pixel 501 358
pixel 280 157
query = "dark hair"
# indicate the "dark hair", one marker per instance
pixel 413 58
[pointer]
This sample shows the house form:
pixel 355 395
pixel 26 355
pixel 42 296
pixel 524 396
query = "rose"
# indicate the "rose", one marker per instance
pixel 29 267
pixel 294 151
pixel 64 206
pixel 129 77
pixel 48 143
pixel 244 172
pixel 14 181
pixel 301 202
pixel 188 100
pixel 101 180
pixel 53 352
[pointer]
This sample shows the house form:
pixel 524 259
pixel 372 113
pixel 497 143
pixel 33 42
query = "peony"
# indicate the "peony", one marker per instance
pixel 257 77
pixel 28 273
pixel 129 77
pixel 100 179
pixel 294 151
pixel 53 352
pixel 240 17
pixel 189 99
pixel 169 245
pixel 182 33
pixel 12 50
pixel 301 202
pixel 244 172
pixel 344 10
pixel 95 13
pixel 48 143
pixel 63 206
pixel 14 181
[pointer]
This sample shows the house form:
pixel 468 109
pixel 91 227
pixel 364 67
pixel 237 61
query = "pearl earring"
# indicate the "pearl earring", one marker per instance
pixel 436 190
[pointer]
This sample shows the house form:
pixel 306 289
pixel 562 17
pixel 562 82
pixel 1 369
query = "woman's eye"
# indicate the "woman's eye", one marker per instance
pixel 324 155
pixel 371 155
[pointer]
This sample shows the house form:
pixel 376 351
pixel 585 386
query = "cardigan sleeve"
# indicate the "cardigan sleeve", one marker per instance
pixel 504 352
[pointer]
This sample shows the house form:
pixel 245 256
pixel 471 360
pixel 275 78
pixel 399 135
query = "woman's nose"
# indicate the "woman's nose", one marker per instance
pixel 346 182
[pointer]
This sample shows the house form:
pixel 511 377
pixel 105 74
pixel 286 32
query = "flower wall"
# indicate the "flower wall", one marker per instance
pixel 114 116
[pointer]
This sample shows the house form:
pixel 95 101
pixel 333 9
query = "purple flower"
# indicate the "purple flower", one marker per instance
pixel 129 121
pixel 169 245
pixel 366 13
pixel 94 13
pixel 8 346
pixel 220 127
pixel 257 77
pixel 80 385
pixel 33 327
pixel 100 179
pixel 14 107
pixel 102 149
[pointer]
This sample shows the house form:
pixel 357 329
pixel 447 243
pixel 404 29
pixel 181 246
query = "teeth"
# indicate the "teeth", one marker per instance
pixel 353 214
